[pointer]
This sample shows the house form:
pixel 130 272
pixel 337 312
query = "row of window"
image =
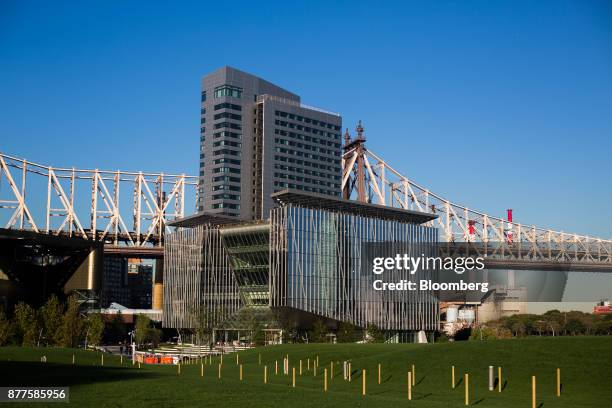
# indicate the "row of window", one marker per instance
pixel 226 196
pixel 226 205
pixel 226 151
pixel 306 180
pixel 307 163
pixel 306 129
pixel 236 126
pixel 307 155
pixel 226 170
pixel 226 133
pixel 226 179
pixel 225 187
pixel 227 105
pixel 301 170
pixel 306 147
pixel 226 160
pixel 228 115
pixel 306 138
pixel 227 143
pixel 228 90
pixel 307 120
pixel 305 188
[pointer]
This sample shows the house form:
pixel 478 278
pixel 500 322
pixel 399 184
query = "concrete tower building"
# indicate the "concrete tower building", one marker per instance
pixel 256 139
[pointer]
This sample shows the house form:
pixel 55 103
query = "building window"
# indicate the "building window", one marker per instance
pixel 228 90
pixel 227 105
pixel 228 115
pixel 226 170
pixel 226 196
pixel 203 96
pixel 226 205
pixel 226 179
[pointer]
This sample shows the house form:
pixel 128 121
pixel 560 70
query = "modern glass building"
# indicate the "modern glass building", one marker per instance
pixel 312 260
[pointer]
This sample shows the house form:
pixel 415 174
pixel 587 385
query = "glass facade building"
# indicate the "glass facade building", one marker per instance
pixel 311 261
pixel 321 264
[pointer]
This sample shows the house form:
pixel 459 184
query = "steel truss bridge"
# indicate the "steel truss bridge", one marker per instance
pixel 506 244
pixel 129 211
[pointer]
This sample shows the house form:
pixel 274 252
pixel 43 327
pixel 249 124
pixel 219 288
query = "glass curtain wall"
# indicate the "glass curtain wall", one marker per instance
pixel 320 262
pixel 200 287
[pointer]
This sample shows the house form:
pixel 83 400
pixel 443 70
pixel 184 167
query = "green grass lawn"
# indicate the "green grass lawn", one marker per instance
pixel 585 364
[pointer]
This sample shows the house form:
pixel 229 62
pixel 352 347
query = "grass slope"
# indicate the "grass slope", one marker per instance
pixel 584 361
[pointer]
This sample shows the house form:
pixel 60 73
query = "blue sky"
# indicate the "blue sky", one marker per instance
pixel 490 104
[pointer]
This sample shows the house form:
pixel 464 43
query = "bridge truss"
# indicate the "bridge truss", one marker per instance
pixel 132 209
pixel 367 177
pixel 116 207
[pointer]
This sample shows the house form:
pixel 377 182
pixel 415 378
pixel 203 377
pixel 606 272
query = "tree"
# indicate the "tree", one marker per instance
pixel 318 332
pixel 258 336
pixel 347 333
pixel 51 320
pixel 574 326
pixel 6 329
pixel 154 336
pixel 95 329
pixel 374 334
pixel 27 327
pixel 203 328
pixel 71 329
pixel 518 327
pixel 141 329
pixel 117 330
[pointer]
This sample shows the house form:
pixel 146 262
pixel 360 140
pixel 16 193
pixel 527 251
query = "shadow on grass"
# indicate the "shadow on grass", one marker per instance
pixel 421 380
pixel 423 396
pixel 34 374
pixel 478 402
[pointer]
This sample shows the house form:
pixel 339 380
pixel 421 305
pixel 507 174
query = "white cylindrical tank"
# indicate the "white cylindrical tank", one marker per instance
pixel 451 314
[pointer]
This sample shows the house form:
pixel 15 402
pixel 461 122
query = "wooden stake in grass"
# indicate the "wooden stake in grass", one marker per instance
pixel 558 382
pixel 120 357
pixel 259 358
pixel 102 359
pixel 308 362
pixel 221 358
pixel 276 367
pixel 139 364
pixel 73 361
pixel 533 391
pixel 453 377
pixel 499 379
pixel 237 359
pixel 350 370
pixel 325 380
pixel 240 372
pixel 467 389
pixel 293 371
pixel 363 382
pixel 179 368
pixel 409 382
pixel 300 367
pixel 331 371
pixel 265 374
pixel 202 370
pixel 219 371
pixel 413 375
pixel 378 373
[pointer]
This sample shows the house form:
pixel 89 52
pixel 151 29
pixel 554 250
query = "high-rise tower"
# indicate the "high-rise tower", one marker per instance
pixel 257 138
